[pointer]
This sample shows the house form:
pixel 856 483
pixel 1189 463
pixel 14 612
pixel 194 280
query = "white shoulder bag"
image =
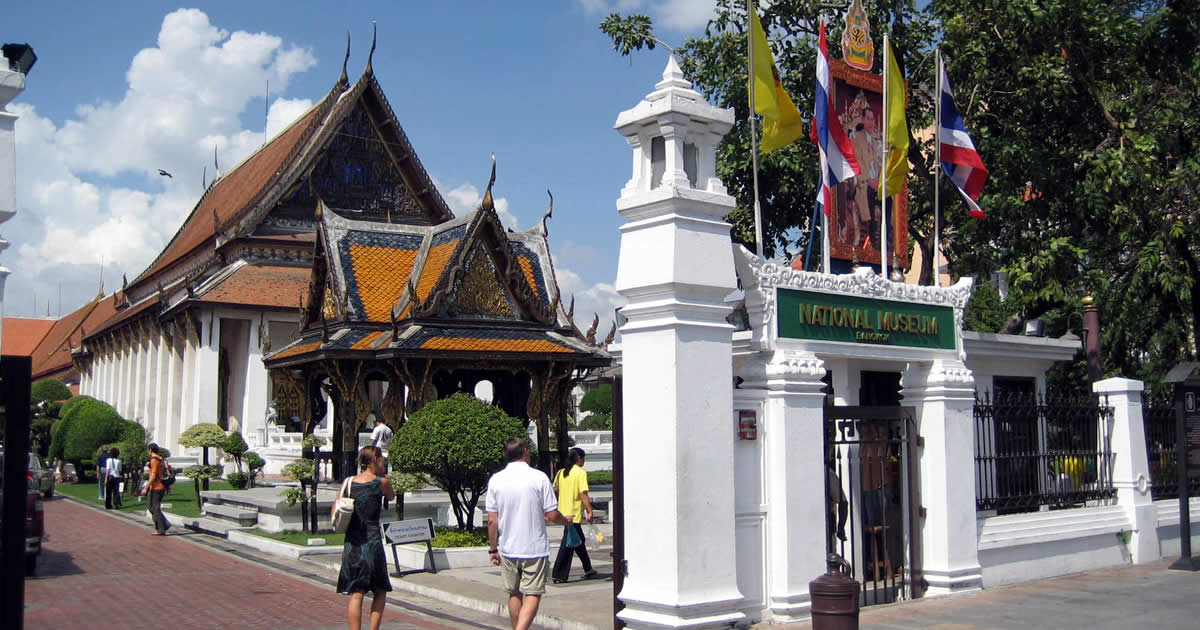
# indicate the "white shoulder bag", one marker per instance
pixel 343 508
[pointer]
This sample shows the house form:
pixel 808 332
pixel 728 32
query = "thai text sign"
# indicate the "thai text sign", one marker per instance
pixel 409 531
pixel 832 317
pixel 1189 391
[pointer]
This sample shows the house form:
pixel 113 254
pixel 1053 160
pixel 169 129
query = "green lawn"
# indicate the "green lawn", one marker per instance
pixel 300 538
pixel 182 497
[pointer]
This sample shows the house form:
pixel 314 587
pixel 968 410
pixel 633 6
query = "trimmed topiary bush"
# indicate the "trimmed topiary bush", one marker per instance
pixel 458 443
pixel 254 465
pixel 89 424
pixel 235 447
pixel 239 480
pixel 204 436
pixel 48 390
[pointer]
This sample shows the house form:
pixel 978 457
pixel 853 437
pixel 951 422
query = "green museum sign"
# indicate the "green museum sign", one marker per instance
pixel 831 317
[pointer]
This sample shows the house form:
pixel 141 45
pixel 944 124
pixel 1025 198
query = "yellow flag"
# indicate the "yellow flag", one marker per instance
pixel 782 124
pixel 897 126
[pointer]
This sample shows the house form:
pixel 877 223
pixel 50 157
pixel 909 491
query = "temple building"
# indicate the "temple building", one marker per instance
pixel 328 245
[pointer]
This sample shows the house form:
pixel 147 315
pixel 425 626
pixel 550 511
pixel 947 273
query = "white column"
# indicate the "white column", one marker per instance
pixel 162 378
pixel 139 375
pixel 126 384
pixel 944 396
pixel 793 442
pixel 254 407
pixel 205 377
pixel 676 268
pixel 187 390
pixel 1130 465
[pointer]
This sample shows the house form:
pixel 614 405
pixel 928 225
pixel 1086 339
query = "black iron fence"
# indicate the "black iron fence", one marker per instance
pixel 1159 416
pixel 1042 450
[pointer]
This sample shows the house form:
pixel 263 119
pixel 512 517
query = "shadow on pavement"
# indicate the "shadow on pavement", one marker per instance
pixel 55 564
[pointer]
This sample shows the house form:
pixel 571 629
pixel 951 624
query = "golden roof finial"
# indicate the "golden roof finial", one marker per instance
pixel 488 202
pixel 374 32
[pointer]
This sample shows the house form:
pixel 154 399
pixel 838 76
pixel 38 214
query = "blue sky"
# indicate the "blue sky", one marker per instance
pixel 121 90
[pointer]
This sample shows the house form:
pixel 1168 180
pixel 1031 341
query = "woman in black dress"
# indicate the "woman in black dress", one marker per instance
pixel 364 565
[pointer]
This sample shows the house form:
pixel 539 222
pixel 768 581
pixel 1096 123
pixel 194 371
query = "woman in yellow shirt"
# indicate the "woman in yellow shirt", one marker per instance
pixel 573 502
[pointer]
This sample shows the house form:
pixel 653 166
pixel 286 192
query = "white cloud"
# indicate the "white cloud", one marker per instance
pixel 466 197
pixel 678 15
pixel 89 189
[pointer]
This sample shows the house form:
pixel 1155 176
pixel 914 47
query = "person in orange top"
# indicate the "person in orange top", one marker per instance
pixel 157 489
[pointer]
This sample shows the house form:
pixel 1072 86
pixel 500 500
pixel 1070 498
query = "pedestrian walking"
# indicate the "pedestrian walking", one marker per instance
pixel 364 565
pixel 112 477
pixel 156 488
pixel 571 483
pixel 381 435
pixel 519 502
pixel 101 479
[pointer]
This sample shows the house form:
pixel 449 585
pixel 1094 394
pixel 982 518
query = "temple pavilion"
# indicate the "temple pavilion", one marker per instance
pixel 330 254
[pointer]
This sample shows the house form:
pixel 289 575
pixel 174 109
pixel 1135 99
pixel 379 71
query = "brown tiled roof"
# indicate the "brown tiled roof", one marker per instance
pixel 123 315
pixel 22 334
pixel 53 353
pixel 235 191
pixel 262 285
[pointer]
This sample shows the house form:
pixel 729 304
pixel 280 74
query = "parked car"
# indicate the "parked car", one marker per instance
pixel 41 474
pixel 35 519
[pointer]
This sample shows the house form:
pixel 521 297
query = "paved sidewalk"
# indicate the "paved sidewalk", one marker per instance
pixel 99 570
pixel 1119 598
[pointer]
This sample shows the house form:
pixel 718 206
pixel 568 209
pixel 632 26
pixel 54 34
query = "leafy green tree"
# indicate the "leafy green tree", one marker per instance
pixel 200 474
pixel 985 312
pixel 203 436
pixel 716 65
pixel 458 443
pixel 88 425
pixel 598 400
pixel 236 447
pixel 48 390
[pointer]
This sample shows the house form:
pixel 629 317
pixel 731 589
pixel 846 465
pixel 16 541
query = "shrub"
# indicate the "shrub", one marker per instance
pixel 235 446
pixel 596 422
pixel 204 436
pixel 446 537
pixel 58 432
pixel 134 454
pixel 198 473
pixel 458 443
pixel 239 480
pixel 48 390
pixel 89 424
pixel 312 442
pixel 39 433
pixel 254 465
pixel 299 469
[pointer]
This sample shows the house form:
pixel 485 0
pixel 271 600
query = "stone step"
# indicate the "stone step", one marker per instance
pixel 239 514
pixel 203 524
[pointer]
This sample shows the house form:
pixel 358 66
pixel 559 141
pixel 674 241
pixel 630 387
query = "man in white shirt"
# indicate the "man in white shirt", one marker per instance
pixel 519 502
pixel 381 435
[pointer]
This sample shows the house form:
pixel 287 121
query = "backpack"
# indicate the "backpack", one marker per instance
pixel 167 475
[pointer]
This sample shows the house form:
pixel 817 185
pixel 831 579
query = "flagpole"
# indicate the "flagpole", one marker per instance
pixel 883 232
pixel 937 171
pixel 758 240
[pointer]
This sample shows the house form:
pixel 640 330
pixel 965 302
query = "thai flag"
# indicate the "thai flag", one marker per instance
pixel 959 158
pixel 837 154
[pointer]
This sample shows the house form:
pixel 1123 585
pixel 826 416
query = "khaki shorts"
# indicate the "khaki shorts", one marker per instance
pixel 524 575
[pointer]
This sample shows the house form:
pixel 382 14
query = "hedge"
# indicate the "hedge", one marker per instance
pixel 89 424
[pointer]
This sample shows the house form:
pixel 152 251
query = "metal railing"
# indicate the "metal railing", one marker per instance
pixel 1042 451
pixel 1161 442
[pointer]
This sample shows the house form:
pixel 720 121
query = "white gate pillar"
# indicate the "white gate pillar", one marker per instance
pixel 793 442
pixel 943 393
pixel 1130 464
pixel 676 268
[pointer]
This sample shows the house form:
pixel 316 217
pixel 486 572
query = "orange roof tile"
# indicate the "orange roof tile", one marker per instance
pixel 366 342
pixel 53 353
pixel 232 193
pixel 381 275
pixel 527 269
pixel 435 263
pixel 262 285
pixel 300 349
pixel 475 344
pixel 22 334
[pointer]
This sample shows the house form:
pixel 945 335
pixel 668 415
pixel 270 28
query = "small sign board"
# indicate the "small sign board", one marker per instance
pixel 1189 394
pixel 408 531
pixel 413 530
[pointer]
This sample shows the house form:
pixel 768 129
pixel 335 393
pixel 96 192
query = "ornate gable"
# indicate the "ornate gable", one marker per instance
pixel 479 291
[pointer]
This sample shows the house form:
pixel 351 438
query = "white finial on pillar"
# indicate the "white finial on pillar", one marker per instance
pixel 676 268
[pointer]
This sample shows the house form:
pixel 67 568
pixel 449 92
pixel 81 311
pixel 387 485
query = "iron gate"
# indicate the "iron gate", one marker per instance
pixel 873 510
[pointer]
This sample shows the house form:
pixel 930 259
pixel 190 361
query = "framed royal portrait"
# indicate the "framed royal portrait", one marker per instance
pixel 854 225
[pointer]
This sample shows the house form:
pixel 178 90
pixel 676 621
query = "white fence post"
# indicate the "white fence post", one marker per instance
pixel 1130 466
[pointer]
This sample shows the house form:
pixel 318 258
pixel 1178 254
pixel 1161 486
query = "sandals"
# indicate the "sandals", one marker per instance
pixel 590 574
pixel 559 581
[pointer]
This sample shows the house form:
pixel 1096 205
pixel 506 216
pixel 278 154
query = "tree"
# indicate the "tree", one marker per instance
pixel 598 400
pixel 235 446
pixel 716 65
pixel 86 426
pixel 48 390
pixel 985 312
pixel 458 443
pixel 254 465
pixel 204 436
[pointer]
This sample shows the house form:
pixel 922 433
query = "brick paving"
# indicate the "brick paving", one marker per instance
pixel 101 571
